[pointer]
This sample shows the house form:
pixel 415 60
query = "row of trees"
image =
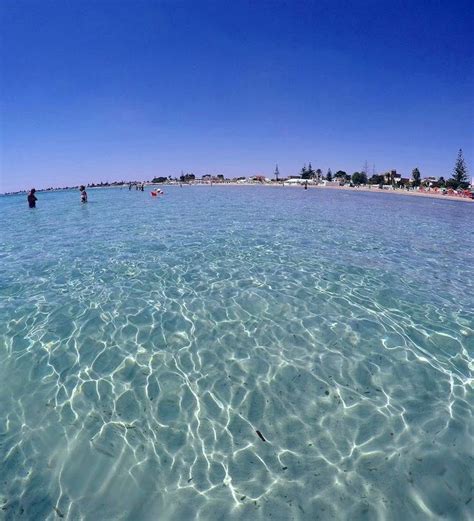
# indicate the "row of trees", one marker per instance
pixel 459 178
pixel 309 173
pixel 184 178
pixel 341 176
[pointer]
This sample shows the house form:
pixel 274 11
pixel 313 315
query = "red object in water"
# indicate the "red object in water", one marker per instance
pixel 154 194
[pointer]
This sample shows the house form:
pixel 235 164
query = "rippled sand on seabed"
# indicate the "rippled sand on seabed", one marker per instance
pixel 143 343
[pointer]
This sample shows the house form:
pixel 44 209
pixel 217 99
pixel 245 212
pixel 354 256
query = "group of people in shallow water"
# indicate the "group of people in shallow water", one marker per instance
pixel 138 186
pixel 32 197
pixel 141 188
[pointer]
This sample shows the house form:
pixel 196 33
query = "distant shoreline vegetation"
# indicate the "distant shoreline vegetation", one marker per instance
pixel 459 179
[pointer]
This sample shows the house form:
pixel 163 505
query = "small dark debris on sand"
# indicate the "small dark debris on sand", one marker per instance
pixel 260 435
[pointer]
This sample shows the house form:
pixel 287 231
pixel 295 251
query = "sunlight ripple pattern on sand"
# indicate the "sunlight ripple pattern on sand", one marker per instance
pixel 144 342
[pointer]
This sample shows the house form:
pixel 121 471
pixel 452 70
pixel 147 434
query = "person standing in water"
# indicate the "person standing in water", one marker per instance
pixel 83 194
pixel 32 198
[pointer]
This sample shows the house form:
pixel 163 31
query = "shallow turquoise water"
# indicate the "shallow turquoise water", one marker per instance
pixel 144 342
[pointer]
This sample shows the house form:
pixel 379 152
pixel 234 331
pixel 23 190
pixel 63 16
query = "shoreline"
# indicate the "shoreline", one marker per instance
pixel 431 195
pixel 410 193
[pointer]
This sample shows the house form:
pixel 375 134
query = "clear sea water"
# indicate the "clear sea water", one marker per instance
pixel 144 341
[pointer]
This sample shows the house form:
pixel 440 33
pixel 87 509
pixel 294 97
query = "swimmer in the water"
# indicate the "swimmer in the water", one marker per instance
pixel 32 198
pixel 83 194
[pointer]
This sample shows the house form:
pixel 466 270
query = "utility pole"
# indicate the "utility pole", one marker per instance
pixel 365 168
pixel 277 172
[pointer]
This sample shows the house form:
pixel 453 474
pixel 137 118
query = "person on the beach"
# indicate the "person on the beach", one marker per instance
pixel 83 194
pixel 32 198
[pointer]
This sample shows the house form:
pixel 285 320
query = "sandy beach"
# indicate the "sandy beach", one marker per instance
pixel 432 195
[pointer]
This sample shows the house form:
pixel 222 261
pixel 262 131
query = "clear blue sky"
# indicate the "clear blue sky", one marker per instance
pixel 104 90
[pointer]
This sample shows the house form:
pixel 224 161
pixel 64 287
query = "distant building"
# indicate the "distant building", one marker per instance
pixel 391 178
pixel 258 179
